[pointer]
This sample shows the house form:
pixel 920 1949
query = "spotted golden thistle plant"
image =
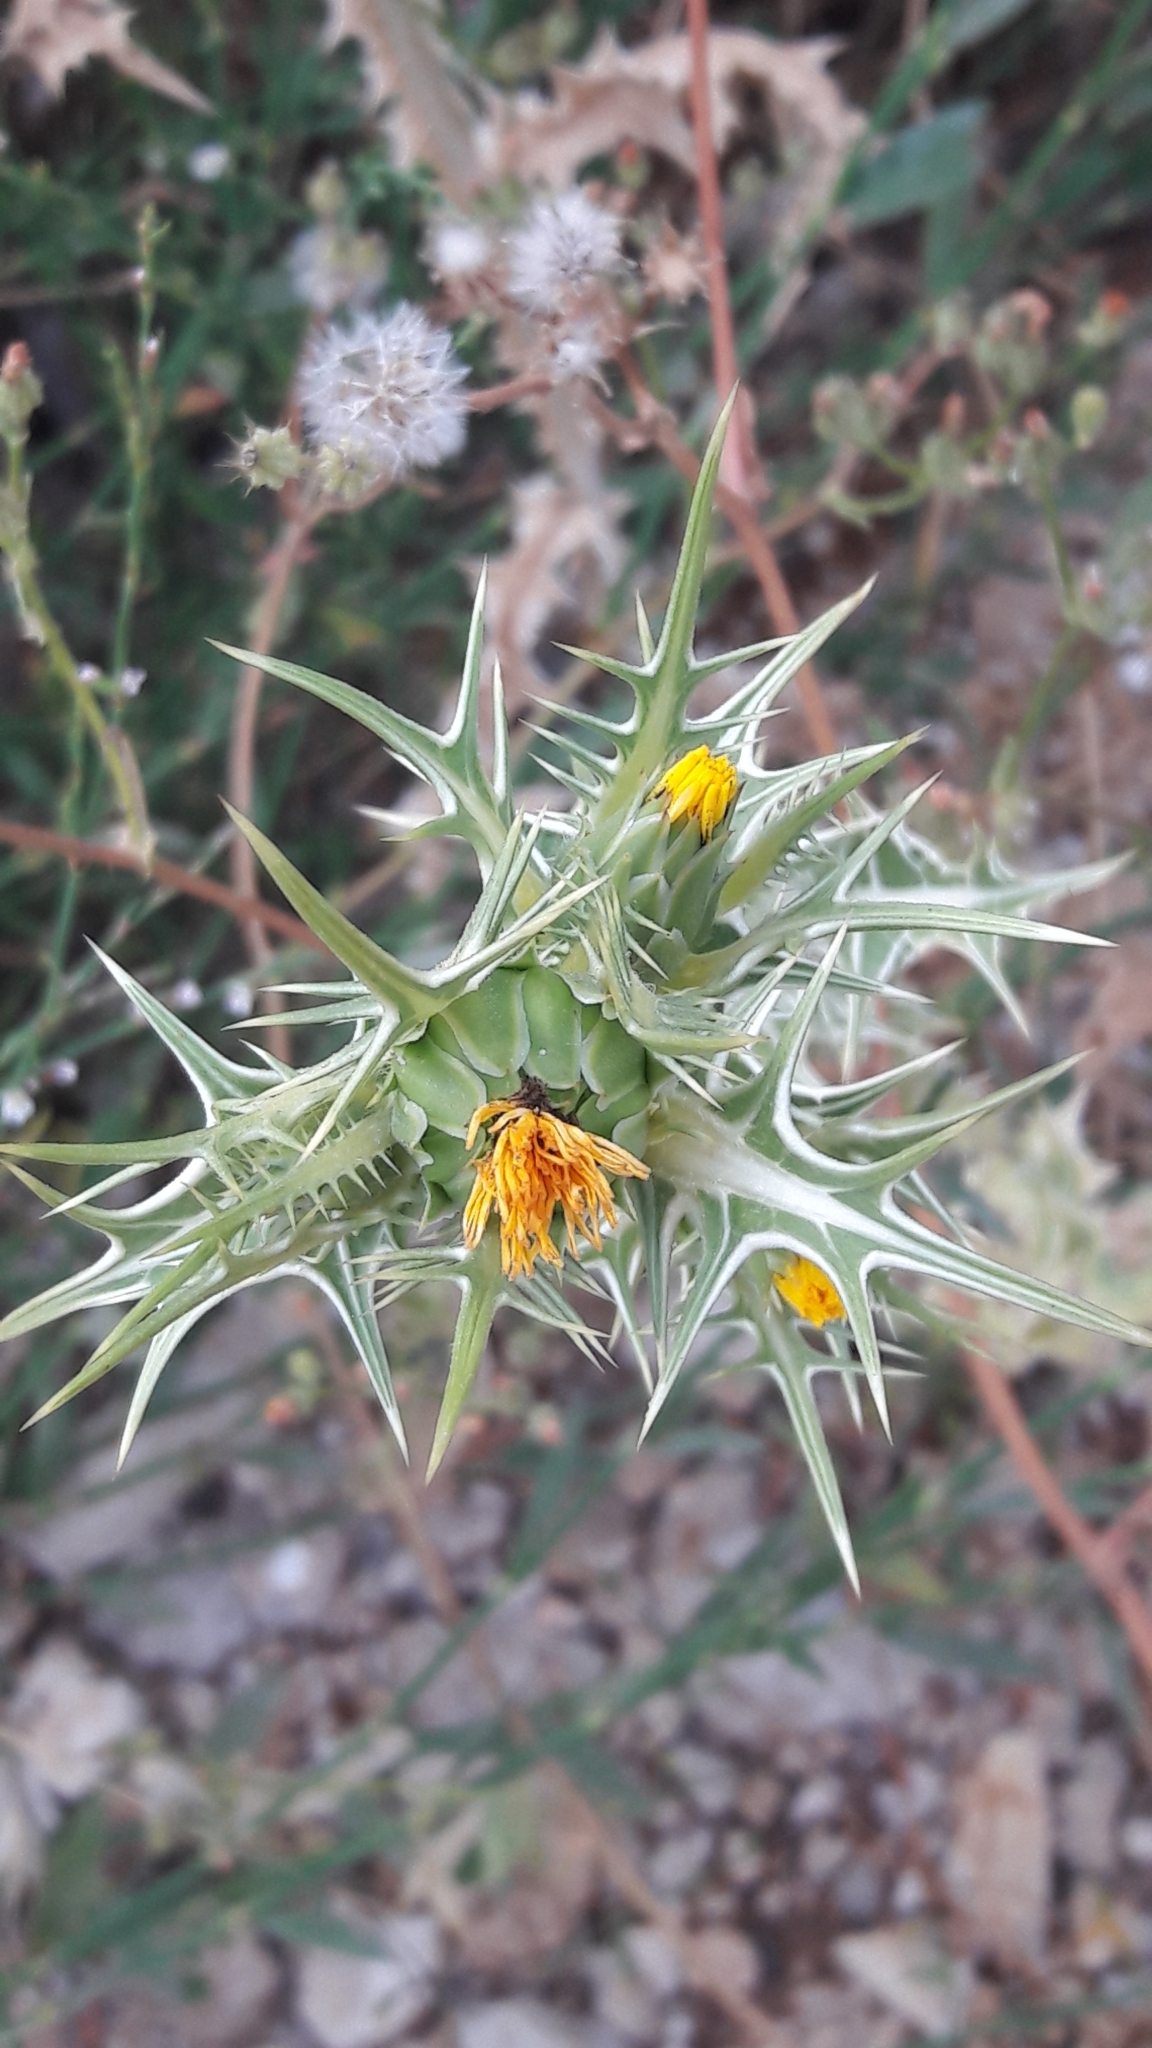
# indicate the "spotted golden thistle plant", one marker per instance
pixel 630 1042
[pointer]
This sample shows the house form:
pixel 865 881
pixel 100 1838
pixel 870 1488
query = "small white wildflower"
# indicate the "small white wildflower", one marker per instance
pixel 562 245
pixel 132 681
pixel 1134 667
pixel 330 266
pixel 457 248
pixel 87 672
pixel 236 998
pixel 186 994
pixel 63 1072
pixel 209 161
pixel 579 352
pixel 384 394
pixel 16 1106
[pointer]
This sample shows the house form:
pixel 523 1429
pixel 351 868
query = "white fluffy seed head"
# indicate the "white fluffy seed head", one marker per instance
pixel 330 266
pixel 384 394
pixel 457 248
pixel 563 244
pixel 579 351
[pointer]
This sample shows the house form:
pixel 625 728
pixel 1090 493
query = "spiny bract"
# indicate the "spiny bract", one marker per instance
pixel 676 985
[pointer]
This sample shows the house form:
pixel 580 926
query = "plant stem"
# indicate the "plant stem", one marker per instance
pixel 1101 1557
pixel 1036 713
pixel 137 402
pixel 40 626
pixel 742 476
pixel 166 874
pixel 278 569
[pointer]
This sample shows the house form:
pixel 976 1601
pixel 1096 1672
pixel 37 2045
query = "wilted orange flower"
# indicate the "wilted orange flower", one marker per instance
pixel 540 1158
pixel 701 786
pixel 810 1292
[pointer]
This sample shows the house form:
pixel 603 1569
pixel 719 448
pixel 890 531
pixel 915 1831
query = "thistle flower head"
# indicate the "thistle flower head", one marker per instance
pixel 562 246
pixel 683 996
pixel 700 786
pixel 541 1160
pixel 385 392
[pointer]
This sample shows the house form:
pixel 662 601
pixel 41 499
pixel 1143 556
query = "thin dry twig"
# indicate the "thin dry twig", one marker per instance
pixel 1103 1556
pixel 85 853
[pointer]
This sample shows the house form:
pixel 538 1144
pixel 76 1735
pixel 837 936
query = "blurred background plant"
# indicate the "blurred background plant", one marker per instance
pixel 289 1745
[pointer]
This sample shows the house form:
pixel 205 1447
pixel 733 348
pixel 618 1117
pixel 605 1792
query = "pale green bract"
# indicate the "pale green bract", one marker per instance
pixel 687 999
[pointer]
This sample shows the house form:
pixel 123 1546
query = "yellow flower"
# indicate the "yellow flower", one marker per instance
pixel 701 786
pixel 810 1292
pixel 540 1158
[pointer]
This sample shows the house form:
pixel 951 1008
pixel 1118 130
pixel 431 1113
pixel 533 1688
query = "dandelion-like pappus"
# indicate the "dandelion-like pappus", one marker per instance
pixel 385 393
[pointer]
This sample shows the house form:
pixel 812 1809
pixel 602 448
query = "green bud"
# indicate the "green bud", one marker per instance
pixel 856 415
pixel 1089 412
pixel 945 466
pixel 20 392
pixel 840 413
pixel 344 474
pixel 951 327
pixel 326 192
pixel 1010 344
pixel 270 458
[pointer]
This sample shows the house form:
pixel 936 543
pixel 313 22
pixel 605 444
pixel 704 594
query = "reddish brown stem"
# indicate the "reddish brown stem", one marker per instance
pixel 1101 1558
pixel 738 463
pixel 525 386
pixel 82 853
pixel 742 478
pixel 278 570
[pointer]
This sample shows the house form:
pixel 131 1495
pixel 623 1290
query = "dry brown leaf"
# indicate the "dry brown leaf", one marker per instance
pixel 55 37
pixel 674 266
pixel 405 62
pixel 641 95
pixel 595 107
pixel 566 550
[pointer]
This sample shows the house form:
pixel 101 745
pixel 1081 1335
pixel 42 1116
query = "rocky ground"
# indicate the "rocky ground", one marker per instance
pixel 237 1655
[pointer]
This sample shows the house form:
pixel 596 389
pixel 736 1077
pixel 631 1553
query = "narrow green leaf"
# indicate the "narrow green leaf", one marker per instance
pixel 403 990
pixel 481 1287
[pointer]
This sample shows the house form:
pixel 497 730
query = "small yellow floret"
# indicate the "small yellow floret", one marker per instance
pixel 810 1292
pixel 539 1159
pixel 701 786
